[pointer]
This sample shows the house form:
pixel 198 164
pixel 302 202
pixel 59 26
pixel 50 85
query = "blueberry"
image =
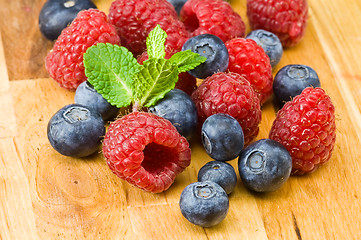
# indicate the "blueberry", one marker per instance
pixel 177 4
pixel 291 80
pixel 56 15
pixel 86 95
pixel 76 130
pixel 222 137
pixel 270 43
pixel 264 165
pixel 219 172
pixel 211 47
pixel 204 203
pixel 178 107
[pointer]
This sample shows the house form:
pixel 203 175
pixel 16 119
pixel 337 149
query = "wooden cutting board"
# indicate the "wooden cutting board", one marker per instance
pixel 44 195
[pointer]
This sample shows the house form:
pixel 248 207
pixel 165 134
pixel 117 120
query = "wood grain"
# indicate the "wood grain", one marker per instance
pixel 25 47
pixel 44 195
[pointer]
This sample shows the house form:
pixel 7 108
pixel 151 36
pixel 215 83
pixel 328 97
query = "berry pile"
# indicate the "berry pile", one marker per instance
pixel 187 70
pixel 134 19
pixel 231 94
pixel 65 61
pixel 249 60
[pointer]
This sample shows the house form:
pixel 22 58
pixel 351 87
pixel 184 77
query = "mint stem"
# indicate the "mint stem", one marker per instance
pixel 136 107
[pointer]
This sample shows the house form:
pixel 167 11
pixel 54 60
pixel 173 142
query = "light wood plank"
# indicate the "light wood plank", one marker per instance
pixel 16 211
pixel 7 121
pixel 341 40
pixel 24 45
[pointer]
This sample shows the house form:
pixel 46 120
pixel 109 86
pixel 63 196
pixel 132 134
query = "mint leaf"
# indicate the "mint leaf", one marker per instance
pixel 155 43
pixel 187 60
pixel 111 69
pixel 158 77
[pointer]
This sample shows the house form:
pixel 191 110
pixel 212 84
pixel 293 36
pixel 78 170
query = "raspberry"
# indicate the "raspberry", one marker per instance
pixel 146 150
pixel 285 18
pixel 65 61
pixel 306 127
pixel 134 19
pixel 186 82
pixel 215 17
pixel 232 94
pixel 248 59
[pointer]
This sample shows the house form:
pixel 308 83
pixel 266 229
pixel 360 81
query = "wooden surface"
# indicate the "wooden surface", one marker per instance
pixel 44 195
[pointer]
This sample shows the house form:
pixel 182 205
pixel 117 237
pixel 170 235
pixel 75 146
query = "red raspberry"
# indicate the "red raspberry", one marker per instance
pixel 65 61
pixel 229 93
pixel 285 18
pixel 134 19
pixel 146 150
pixel 306 127
pixel 248 59
pixel 215 17
pixel 186 82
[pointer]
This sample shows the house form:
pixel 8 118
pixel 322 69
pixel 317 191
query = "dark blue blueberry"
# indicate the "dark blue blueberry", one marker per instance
pixel 270 43
pixel 211 47
pixel 87 96
pixel 204 203
pixel 219 172
pixel 222 137
pixel 291 80
pixel 55 15
pixel 76 130
pixel 178 107
pixel 177 4
pixel 264 165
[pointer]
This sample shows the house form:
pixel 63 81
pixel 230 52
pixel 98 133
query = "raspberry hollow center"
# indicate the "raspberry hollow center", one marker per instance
pixel 157 157
pixel 191 22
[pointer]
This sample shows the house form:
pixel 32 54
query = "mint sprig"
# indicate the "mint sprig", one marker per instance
pixel 116 74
